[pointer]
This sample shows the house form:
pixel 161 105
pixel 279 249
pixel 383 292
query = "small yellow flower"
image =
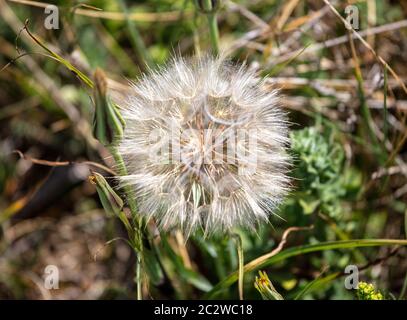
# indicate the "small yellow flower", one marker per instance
pixel 366 291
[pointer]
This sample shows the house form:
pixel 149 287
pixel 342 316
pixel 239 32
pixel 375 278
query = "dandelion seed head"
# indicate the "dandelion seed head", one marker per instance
pixel 204 146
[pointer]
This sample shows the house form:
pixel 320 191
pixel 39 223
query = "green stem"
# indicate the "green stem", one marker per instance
pixel 214 33
pixel 138 277
pixel 130 197
pixel 239 246
pixel 213 25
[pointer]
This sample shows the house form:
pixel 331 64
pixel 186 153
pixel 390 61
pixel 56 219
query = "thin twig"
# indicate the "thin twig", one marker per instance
pixel 248 14
pixel 279 247
pixel 170 16
pixel 367 45
pixel 340 40
pixel 62 163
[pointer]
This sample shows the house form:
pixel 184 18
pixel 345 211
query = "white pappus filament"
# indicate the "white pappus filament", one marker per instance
pixel 205 146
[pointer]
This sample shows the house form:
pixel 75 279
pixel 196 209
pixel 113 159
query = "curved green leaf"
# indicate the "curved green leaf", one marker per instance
pixel 265 260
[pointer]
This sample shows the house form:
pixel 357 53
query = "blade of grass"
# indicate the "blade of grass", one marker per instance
pixel 405 223
pixel 385 111
pixel 367 45
pixel 135 38
pixel 277 68
pixel 121 56
pixel 266 260
pixel 180 271
pixel 317 283
pixel 366 115
pixel 404 289
pixel 61 60
pixel 212 24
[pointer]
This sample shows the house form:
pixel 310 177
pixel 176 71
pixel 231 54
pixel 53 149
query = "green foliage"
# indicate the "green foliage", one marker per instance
pixel 323 180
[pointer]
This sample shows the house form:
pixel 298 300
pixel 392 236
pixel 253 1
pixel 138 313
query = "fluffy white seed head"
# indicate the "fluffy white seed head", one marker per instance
pixel 204 145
